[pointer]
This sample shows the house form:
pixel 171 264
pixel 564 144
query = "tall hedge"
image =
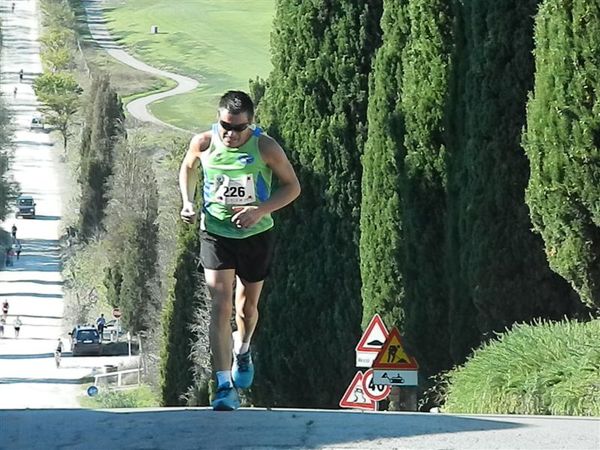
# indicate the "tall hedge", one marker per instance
pixel 103 128
pixel 8 187
pixel 427 66
pixel 316 107
pixel 177 367
pixel 381 228
pixel 562 142
pixel 502 272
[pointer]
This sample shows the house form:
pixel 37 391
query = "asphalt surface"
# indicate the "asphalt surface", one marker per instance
pixel 28 378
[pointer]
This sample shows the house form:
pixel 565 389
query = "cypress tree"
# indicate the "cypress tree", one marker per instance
pixel 177 368
pixel 316 107
pixel 381 229
pixel 501 264
pixel 132 238
pixel 104 125
pixel 137 296
pixel 424 103
pixel 562 142
pixel 7 186
pixel 113 279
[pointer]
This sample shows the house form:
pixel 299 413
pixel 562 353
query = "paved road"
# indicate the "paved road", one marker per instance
pixel 33 286
pixel 182 429
pixel 137 108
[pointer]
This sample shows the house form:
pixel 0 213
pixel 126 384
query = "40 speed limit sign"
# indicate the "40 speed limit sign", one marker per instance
pixel 375 392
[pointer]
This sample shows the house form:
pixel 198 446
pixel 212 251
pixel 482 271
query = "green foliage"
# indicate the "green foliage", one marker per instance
pixel 132 237
pixel 257 89
pixel 140 397
pixel 113 280
pixel 426 61
pixel 381 238
pixel 316 107
pixel 58 14
pixel 83 276
pixel 498 264
pixel 58 48
pixel 103 128
pixel 59 94
pixel 562 142
pixel 549 368
pixel 8 188
pixel 177 368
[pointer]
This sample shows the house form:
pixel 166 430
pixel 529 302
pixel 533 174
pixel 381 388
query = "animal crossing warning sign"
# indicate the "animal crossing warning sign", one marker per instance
pixel 355 396
pixel 393 355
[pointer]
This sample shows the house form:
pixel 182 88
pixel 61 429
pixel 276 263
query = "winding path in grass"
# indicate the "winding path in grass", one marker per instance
pixel 137 108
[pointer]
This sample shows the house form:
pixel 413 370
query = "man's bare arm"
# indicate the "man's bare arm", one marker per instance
pixel 288 187
pixel 188 174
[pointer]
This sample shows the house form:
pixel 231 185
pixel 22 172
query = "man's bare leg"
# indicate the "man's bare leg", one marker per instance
pixel 246 307
pixel 220 286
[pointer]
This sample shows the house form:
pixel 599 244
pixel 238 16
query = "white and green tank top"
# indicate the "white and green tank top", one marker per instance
pixel 233 177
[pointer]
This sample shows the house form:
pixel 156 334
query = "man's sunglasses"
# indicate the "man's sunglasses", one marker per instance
pixel 231 127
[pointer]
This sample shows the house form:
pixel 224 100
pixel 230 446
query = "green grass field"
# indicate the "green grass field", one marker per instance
pixel 221 44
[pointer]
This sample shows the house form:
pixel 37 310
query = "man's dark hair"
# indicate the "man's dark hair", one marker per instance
pixel 237 102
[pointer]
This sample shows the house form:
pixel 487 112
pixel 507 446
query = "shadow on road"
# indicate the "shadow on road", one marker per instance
pixel 44 282
pixel 204 428
pixel 39 380
pixel 30 294
pixel 40 217
pixel 28 356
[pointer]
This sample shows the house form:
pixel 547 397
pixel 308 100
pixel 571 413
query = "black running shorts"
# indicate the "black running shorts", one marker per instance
pixel 250 257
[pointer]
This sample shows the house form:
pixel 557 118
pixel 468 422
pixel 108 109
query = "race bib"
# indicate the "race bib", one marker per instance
pixel 234 191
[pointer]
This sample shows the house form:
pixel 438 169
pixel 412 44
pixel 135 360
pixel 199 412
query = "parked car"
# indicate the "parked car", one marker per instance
pixel 36 122
pixel 25 206
pixel 85 340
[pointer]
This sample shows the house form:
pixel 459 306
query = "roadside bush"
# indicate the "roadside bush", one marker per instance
pixel 142 397
pixel 546 368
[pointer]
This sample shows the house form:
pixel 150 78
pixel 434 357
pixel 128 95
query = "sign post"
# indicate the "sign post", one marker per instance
pixel 393 366
pixel 116 313
pixel 375 392
pixel 371 341
pixel 355 396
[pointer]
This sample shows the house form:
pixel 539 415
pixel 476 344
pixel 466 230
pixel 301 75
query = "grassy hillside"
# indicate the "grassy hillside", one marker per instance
pixel 222 44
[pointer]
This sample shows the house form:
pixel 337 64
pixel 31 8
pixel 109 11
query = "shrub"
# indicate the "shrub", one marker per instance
pixel 140 397
pixel 545 368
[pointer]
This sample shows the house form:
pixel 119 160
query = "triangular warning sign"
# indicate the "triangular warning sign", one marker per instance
pixel 393 355
pixel 355 396
pixel 374 336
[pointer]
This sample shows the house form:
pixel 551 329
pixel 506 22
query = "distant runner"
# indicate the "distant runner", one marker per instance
pixel 238 161
pixel 58 353
pixel 17 326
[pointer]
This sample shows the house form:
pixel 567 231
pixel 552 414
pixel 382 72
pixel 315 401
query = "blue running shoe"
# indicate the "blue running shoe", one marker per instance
pixel 226 399
pixel 242 371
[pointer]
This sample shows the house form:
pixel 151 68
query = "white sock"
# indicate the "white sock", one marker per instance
pixel 224 377
pixel 239 347
pixel 244 348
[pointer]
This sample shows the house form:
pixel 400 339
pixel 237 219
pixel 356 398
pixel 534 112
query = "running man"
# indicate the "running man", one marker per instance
pixel 238 160
pixel 5 307
pixel 17 326
pixel 58 352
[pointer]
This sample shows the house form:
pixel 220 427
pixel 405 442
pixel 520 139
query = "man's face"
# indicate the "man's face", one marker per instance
pixel 233 128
